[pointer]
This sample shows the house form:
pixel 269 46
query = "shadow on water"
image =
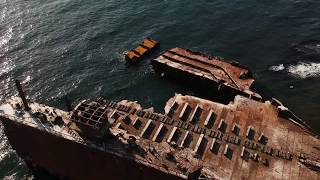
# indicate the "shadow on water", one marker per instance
pixel 262 89
pixel 40 174
pixel 199 87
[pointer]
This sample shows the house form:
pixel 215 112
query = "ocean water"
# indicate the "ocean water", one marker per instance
pixel 73 48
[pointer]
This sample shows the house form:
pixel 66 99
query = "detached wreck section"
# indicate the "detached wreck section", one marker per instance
pixel 230 79
pixel 194 139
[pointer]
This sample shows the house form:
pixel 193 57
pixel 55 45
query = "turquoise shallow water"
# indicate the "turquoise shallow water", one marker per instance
pixel 74 48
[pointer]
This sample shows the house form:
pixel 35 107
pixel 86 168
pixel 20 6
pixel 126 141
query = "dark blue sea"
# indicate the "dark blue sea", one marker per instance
pixel 73 48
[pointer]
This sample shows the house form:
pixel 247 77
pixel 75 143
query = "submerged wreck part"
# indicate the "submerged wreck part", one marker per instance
pixel 146 47
pixel 195 138
pixel 229 79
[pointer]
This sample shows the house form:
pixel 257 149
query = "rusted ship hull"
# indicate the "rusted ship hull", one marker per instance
pixel 70 160
pixel 194 139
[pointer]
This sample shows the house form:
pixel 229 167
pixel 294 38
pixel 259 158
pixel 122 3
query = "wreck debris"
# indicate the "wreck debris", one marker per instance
pixel 146 47
pixel 211 72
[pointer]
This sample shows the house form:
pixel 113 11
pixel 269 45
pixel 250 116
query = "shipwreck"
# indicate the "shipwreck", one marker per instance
pixel 195 138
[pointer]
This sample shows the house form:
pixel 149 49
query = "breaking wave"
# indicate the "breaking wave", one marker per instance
pixel 305 70
pixel 279 67
pixel 302 69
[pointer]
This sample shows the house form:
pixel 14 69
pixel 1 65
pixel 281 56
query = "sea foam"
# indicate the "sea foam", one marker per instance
pixel 304 69
pixel 301 69
pixel 279 67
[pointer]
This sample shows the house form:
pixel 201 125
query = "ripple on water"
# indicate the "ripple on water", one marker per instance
pixel 6 66
pixel 6 69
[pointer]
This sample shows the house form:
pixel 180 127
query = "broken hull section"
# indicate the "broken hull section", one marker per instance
pixel 60 156
pixel 206 87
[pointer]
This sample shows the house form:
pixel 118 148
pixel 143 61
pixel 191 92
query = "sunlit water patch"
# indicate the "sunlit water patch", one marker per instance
pixel 3 14
pixel 6 67
pixel 4 150
pixel 5 37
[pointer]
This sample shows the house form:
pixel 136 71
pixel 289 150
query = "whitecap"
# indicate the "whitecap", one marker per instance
pixel 305 69
pixel 279 67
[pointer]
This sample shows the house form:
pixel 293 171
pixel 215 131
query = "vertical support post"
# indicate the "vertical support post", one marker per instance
pixel 22 95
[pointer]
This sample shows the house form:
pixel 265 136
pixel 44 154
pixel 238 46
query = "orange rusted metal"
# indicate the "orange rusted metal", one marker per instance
pixel 214 70
pixel 137 54
pixel 195 138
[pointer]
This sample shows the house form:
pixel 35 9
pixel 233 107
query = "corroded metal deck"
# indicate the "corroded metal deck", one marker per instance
pixel 214 69
pixel 243 140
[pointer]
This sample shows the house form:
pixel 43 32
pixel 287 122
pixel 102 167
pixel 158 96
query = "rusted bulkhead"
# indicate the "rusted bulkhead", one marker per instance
pixel 209 73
